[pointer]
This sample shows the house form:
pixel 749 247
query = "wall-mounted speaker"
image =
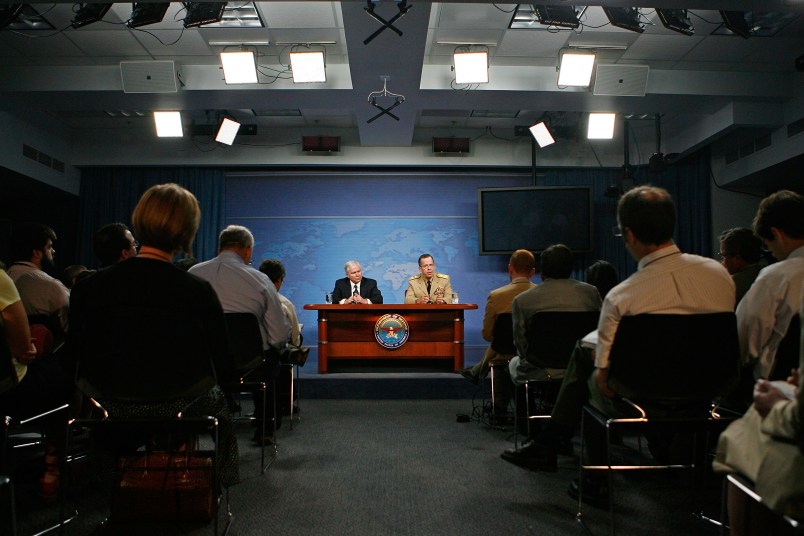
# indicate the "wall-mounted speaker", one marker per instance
pixel 321 145
pixel 148 76
pixel 621 80
pixel 452 146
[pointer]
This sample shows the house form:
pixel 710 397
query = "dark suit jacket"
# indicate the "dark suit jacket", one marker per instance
pixel 368 289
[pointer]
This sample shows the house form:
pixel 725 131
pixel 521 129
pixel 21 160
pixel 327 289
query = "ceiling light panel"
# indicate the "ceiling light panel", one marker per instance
pixel 471 67
pixel 308 67
pixel 601 126
pixel 239 67
pixel 168 124
pixel 542 134
pixel 227 131
pixel 576 69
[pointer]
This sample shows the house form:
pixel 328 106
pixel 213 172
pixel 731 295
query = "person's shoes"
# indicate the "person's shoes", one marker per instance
pixel 469 375
pixel 595 492
pixel 533 456
pixel 267 439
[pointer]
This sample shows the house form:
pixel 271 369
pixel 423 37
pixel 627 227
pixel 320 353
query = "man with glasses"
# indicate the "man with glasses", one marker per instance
pixel 114 243
pixel 428 286
pixel 740 252
pixel 33 252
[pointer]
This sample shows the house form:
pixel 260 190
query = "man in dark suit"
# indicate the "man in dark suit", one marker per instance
pixel 354 288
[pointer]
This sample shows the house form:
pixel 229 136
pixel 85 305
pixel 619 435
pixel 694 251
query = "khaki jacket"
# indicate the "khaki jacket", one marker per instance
pixel 439 287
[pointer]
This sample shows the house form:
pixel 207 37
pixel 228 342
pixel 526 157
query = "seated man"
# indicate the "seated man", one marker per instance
pixel 666 281
pixel 557 293
pixel 428 286
pixel 33 252
pixel 244 289
pixel 521 267
pixel 275 271
pixel 764 314
pixel 740 251
pixel 354 288
pixel 114 243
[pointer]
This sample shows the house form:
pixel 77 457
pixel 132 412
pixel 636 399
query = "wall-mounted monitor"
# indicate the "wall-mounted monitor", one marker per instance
pixel 533 218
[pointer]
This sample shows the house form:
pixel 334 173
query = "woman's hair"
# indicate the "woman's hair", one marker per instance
pixel 603 275
pixel 167 218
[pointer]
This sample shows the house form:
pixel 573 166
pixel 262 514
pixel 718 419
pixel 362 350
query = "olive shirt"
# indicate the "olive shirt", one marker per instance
pixel 417 287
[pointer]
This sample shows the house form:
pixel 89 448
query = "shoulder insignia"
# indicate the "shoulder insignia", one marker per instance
pixel 417 276
pixel 445 276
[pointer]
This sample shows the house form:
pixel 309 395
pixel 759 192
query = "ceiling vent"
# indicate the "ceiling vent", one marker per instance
pixel 148 76
pixel 621 80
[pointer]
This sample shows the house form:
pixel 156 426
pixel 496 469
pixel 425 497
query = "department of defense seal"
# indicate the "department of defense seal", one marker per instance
pixel 391 331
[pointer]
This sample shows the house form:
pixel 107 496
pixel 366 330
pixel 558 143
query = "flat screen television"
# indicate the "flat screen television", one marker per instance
pixel 533 218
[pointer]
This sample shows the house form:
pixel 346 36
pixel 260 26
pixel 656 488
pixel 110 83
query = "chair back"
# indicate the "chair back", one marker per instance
pixel 787 354
pixel 552 336
pixel 8 375
pixel 674 359
pixel 502 335
pixel 245 340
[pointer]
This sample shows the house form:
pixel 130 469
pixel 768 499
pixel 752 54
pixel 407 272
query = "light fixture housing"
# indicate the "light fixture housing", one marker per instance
pixel 542 134
pixel 676 20
pixel 736 22
pixel 627 18
pixel 89 13
pixel 239 67
pixel 471 67
pixel 601 126
pixel 9 13
pixel 558 16
pixel 575 68
pixel 308 67
pixel 200 13
pixel 168 124
pixel 227 131
pixel 145 13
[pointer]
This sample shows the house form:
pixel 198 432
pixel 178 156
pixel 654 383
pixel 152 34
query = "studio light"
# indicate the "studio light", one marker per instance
pixel 542 134
pixel 9 13
pixel 737 23
pixel 227 131
pixel 89 13
pixel 676 20
pixel 168 124
pixel 471 67
pixel 200 13
pixel 575 69
pixel 558 16
pixel 601 126
pixel 239 67
pixel 625 17
pixel 144 13
pixel 308 67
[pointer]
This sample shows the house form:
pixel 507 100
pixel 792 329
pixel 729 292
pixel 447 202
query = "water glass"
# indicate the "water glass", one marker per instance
pixel 454 297
pixel 329 297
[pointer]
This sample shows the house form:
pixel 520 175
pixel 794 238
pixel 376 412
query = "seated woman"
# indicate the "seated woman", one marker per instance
pixel 41 383
pixel 149 338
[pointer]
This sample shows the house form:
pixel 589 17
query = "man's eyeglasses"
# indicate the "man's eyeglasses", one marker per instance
pixel 135 245
pixel 617 231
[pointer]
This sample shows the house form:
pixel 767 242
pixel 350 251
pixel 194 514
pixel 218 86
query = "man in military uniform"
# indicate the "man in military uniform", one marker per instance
pixel 428 286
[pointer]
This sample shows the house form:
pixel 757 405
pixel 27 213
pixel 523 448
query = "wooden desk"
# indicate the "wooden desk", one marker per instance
pixel 347 332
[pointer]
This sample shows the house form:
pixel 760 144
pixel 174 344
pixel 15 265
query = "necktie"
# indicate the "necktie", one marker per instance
pixel 428 288
pixel 354 290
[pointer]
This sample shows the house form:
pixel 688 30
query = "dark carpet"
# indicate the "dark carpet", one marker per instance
pixel 406 467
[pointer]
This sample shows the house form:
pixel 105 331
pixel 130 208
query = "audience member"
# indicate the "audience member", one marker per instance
pixel 185 263
pixel 241 288
pixel 33 252
pixel 603 276
pixel 114 243
pixel 354 288
pixel 767 446
pixel 38 385
pixel 740 251
pixel 428 286
pixel 765 312
pixel 521 267
pixel 666 281
pixel 556 293
pixel 69 275
pixel 150 339
pixel 275 271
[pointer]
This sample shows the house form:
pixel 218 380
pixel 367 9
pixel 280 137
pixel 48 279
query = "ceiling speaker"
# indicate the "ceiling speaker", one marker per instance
pixel 621 80
pixel 148 76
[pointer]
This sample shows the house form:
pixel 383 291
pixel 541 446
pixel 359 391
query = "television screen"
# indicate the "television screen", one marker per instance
pixel 533 218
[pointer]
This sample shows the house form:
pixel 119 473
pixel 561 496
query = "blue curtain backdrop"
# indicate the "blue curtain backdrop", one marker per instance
pixel 110 195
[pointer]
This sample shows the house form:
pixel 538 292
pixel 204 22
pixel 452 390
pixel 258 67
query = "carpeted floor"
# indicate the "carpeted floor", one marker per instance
pixel 406 467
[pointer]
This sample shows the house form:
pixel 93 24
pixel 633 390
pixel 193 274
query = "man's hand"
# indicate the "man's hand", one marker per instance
pixel 423 299
pixel 766 396
pixel 356 298
pixel 28 356
pixel 601 376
